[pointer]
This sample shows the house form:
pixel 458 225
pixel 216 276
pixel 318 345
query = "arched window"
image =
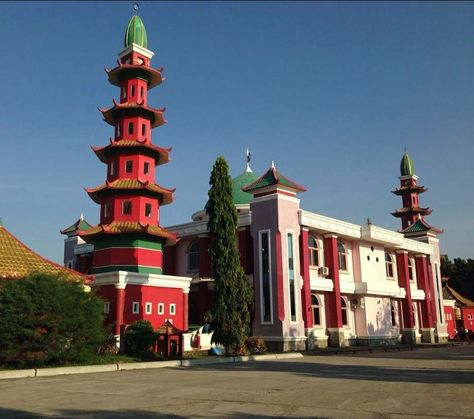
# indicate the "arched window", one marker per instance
pixel 342 256
pixel 193 256
pixel 411 276
pixel 313 251
pixel 316 307
pixel 388 265
pixel 392 313
pixel 344 311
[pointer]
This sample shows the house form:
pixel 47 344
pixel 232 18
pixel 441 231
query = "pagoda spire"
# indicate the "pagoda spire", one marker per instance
pixel 411 214
pixel 130 199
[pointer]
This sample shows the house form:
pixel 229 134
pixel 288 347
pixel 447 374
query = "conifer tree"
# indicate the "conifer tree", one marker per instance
pixel 229 315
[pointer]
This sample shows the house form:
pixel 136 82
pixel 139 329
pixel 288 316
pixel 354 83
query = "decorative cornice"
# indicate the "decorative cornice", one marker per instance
pixel 123 278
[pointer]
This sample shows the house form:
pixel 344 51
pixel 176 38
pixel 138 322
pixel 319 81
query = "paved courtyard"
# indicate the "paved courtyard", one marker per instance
pixel 424 383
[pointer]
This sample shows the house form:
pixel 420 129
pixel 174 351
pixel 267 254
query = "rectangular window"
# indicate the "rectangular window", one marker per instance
pixel 147 210
pixel 130 128
pixel 112 168
pixel 107 307
pixel 142 91
pixel 70 264
pixel 128 166
pixel 146 168
pixel 124 93
pixel 161 308
pixel 119 131
pixel 143 129
pixel 135 307
pixel 172 309
pixel 106 210
pixel 132 91
pixel 265 278
pixel 291 276
pixel 148 308
pixel 126 208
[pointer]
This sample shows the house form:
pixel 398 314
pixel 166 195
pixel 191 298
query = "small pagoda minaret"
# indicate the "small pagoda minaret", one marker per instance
pixel 128 241
pixel 409 191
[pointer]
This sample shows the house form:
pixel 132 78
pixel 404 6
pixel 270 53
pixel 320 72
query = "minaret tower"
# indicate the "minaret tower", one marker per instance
pixel 409 191
pixel 128 241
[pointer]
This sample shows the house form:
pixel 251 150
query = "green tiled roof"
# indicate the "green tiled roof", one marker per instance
pixel 72 230
pixel 135 33
pixel 273 177
pixel 417 227
pixel 407 167
pixel 239 196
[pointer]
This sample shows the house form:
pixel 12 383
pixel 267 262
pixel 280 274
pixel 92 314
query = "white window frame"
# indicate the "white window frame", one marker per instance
pixel 173 309
pixel 161 308
pixel 148 308
pixel 295 281
pixel 345 254
pixel 389 265
pixel 347 311
pixel 270 287
pixel 106 307
pixel 136 307
pixel 312 249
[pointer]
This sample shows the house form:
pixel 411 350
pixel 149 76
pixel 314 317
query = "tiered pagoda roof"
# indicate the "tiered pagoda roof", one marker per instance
pixel 408 189
pixel 128 227
pixel 18 261
pixel 78 225
pixel 113 115
pixel 411 211
pixel 131 185
pixel 451 294
pixel 160 154
pixel 420 226
pixel 122 72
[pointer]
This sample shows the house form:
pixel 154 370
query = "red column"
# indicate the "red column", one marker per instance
pixel 306 290
pixel 404 282
pixel 333 299
pixel 204 257
pixel 185 311
pixel 431 282
pixel 119 307
pixel 423 283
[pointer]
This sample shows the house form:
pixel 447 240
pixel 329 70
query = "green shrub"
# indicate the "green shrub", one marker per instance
pixel 45 320
pixel 256 345
pixel 139 337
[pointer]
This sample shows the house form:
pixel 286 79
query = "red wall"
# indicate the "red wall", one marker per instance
pixel 468 317
pixel 450 321
pixel 143 295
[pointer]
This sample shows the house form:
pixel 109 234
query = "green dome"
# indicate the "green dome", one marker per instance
pixel 240 197
pixel 135 33
pixel 407 167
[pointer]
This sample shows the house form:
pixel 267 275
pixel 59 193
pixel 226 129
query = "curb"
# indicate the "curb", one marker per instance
pixel 85 369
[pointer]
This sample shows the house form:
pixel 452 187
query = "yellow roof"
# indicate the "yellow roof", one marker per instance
pixel 18 261
pixel 463 300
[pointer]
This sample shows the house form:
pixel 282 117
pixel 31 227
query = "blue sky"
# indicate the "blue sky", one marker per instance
pixel 332 92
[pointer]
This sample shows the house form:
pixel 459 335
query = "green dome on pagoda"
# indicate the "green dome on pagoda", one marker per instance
pixel 407 167
pixel 238 195
pixel 135 33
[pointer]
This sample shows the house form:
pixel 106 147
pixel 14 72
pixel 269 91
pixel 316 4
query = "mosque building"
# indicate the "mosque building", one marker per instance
pixel 317 280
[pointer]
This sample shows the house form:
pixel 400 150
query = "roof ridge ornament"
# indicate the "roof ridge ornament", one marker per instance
pixel 248 157
pixel 135 7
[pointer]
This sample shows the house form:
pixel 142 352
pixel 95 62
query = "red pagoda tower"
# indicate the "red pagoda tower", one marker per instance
pixel 412 215
pixel 128 241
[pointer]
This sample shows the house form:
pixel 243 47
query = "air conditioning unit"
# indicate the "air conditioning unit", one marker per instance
pixel 324 271
pixel 358 302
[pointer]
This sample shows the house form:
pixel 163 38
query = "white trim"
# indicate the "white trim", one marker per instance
pixel 260 233
pixel 172 309
pixel 148 308
pixel 161 308
pixel 295 283
pixel 275 195
pixel 135 278
pixel 129 247
pixel 135 307
pixel 137 48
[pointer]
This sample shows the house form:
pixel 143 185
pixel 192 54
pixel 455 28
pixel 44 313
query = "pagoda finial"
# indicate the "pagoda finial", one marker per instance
pixel 273 164
pixel 136 6
pixel 81 217
pixel 248 157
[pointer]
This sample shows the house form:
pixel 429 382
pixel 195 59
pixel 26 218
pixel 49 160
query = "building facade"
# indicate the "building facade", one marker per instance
pixel 321 281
